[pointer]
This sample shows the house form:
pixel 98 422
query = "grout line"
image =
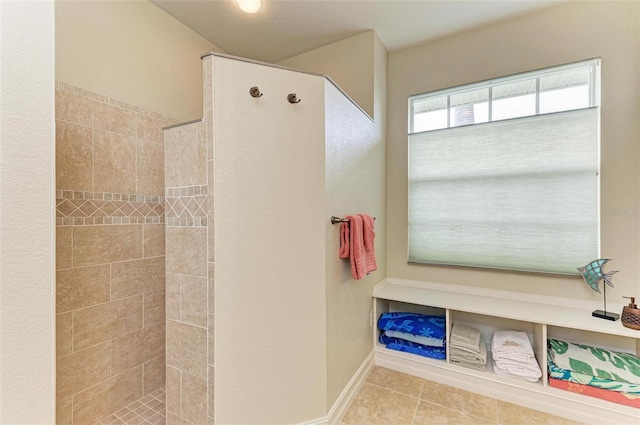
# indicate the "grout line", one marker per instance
pixel 93 152
pixel 110 283
pixel 413 418
pixel 180 300
pixel 75 123
pixel 93 113
pixel 189 324
pixel 103 303
pixel 136 153
pixel 393 391
pixel 72 336
pixel 72 248
pixel 110 359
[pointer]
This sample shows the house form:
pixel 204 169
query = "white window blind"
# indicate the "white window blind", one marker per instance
pixel 519 194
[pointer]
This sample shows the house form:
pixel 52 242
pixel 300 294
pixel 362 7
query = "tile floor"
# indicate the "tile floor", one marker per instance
pixel 392 398
pixel 386 398
pixel 149 410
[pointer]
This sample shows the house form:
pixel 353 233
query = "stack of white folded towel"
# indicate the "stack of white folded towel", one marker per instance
pixel 513 356
pixel 467 347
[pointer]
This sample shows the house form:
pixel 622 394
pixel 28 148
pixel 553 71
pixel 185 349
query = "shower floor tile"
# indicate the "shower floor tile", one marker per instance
pixel 149 410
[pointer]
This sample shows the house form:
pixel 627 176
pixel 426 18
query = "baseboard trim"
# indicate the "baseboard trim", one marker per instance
pixel 343 402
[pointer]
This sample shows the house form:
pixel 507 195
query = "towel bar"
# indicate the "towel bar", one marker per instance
pixel 336 220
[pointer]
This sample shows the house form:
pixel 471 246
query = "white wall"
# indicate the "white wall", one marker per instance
pixel 356 182
pixel 132 51
pixel 561 34
pixel 269 218
pixel 349 62
pixel 27 365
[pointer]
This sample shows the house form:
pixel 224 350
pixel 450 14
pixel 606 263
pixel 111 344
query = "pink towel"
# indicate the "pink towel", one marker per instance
pixel 356 243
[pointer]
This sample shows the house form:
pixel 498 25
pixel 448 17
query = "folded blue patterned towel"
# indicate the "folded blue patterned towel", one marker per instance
pixel 413 323
pixel 398 344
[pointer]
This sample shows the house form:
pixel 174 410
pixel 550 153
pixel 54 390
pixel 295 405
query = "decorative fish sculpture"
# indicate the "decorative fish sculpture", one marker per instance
pixel 592 273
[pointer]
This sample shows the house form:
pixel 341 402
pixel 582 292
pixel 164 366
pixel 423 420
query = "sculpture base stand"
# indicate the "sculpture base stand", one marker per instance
pixel 606 315
pixel 603 314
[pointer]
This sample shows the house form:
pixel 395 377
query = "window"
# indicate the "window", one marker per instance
pixel 505 174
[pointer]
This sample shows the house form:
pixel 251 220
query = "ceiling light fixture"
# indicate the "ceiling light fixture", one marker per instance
pixel 249 6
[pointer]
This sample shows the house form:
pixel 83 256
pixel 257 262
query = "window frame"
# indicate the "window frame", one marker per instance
pixel 594 90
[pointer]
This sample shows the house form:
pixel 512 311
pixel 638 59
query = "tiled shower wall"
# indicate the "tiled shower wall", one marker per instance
pixel 110 250
pixel 190 266
pixel 189 314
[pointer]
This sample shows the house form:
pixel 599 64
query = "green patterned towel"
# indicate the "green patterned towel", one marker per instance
pixel 592 381
pixel 595 361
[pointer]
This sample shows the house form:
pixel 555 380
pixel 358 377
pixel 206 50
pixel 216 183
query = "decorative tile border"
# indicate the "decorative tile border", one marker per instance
pixel 186 206
pixel 85 208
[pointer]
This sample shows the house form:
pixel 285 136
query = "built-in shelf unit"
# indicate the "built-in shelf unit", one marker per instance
pixel 490 310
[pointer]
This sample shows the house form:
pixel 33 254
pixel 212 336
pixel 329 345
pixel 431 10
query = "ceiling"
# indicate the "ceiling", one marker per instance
pixel 286 28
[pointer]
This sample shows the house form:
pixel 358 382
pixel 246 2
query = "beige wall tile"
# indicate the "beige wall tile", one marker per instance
pixel 153 374
pixel 137 277
pixel 464 401
pixel 149 128
pixel 172 295
pixel 211 283
pixel 136 348
pixel 64 341
pixel 81 287
pixel 109 396
pixel 74 108
pixel 187 348
pixel 185 157
pixel 114 119
pixel 174 394
pixel 64 241
pixel 64 414
pixel 186 250
pixel 153 240
pixel 81 370
pixel 150 167
pixel 102 322
pixel 375 405
pixel 193 300
pixel 154 308
pixel 74 157
pixel 396 381
pixel 114 163
pixel 106 244
pixel 194 399
pixel 211 393
pixel 512 414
